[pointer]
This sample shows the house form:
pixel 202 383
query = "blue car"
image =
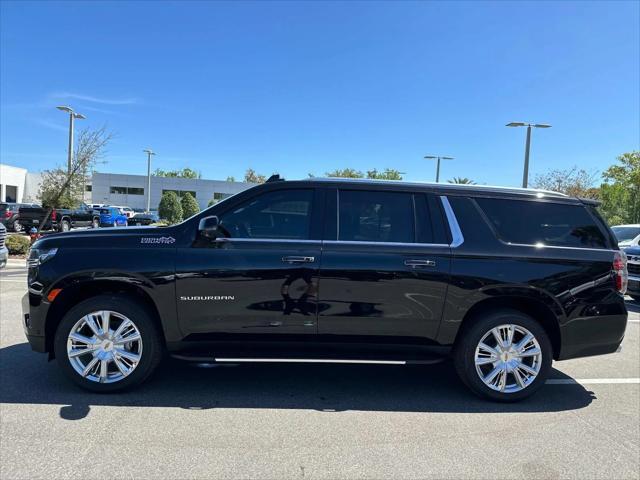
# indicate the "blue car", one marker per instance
pixel 112 217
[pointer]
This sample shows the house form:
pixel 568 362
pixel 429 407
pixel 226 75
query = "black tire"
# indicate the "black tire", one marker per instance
pixel 65 225
pixel 153 347
pixel 464 353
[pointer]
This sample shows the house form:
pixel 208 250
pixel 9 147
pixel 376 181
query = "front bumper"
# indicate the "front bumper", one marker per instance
pixel 633 287
pixel 34 314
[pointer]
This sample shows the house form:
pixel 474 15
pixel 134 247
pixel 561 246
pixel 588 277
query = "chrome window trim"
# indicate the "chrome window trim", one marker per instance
pixel 457 238
pixel 263 240
pixel 556 247
pixel 388 244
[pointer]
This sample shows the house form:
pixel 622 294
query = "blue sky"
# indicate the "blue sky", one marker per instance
pixel 299 87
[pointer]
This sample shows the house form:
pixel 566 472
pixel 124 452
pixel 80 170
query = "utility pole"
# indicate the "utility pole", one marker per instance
pixel 72 116
pixel 149 152
pixel 438 158
pixel 527 148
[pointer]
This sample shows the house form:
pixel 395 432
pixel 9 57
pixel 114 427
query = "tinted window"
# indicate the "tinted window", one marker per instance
pixel 527 222
pixel 285 214
pixel 375 216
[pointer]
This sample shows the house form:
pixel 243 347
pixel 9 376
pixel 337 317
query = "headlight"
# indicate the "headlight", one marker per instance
pixel 40 255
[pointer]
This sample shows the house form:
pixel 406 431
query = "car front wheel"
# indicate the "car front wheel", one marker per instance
pixel 108 343
pixel 504 355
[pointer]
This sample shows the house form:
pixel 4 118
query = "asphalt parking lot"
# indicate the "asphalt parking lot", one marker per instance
pixel 313 421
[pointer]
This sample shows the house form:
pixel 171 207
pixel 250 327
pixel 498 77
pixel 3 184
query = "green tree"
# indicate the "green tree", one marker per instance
pixel 575 182
pixel 387 174
pixel 184 173
pixel 621 191
pixel 170 208
pixel 252 177
pixel 462 181
pixel 189 205
pixel 345 173
pixel 231 179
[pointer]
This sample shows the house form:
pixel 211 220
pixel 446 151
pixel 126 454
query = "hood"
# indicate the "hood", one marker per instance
pixel 110 237
pixel 632 251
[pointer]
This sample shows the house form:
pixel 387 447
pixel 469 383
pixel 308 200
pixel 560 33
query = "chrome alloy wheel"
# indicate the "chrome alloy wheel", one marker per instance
pixel 508 358
pixel 104 346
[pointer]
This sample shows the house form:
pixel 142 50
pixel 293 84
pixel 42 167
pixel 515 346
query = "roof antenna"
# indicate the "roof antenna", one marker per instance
pixel 275 178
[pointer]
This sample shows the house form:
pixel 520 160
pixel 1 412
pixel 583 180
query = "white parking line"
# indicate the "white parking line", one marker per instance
pixel 587 381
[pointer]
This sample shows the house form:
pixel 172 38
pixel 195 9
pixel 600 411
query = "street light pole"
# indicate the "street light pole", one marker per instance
pixel 527 148
pixel 149 152
pixel 72 116
pixel 438 158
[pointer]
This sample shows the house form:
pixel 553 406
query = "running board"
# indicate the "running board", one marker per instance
pixel 305 360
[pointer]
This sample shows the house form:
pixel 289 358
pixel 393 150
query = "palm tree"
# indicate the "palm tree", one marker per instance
pixel 462 180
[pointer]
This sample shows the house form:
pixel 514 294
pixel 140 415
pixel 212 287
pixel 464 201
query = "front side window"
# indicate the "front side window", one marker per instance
pixel 370 216
pixel 283 214
pixel 531 223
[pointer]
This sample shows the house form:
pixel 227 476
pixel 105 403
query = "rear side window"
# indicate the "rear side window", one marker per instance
pixel 530 222
pixel 370 216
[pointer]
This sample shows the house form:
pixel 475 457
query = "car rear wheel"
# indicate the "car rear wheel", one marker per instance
pixel 95 223
pixel 108 343
pixel 17 226
pixel 65 226
pixel 504 356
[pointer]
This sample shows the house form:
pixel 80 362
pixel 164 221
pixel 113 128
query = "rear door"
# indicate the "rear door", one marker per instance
pixel 263 277
pixel 385 265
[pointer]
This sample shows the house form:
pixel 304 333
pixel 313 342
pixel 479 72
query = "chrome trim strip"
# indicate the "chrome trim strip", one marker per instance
pixel 308 360
pixel 389 244
pixel 456 234
pixel 634 278
pixel 266 240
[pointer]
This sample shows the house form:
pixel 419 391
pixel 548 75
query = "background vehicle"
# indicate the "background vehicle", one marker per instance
pixel 141 219
pixel 503 280
pixel 4 253
pixel 112 217
pixel 626 234
pixel 127 211
pixel 61 219
pixel 9 215
pixel 633 265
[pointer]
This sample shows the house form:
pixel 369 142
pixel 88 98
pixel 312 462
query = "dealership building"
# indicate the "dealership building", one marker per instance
pixel 19 185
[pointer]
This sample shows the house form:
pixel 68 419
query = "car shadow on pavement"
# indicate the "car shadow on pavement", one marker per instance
pixel 26 377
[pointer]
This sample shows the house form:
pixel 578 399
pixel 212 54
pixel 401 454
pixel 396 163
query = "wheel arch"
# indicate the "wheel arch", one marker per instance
pixel 535 308
pixel 76 293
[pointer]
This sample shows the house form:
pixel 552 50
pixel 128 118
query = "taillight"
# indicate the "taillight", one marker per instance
pixel 53 215
pixel 7 214
pixel 620 271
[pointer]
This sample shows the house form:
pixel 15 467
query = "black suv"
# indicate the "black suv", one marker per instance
pixel 504 280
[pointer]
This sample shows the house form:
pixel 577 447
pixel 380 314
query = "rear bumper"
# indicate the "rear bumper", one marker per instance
pixel 596 335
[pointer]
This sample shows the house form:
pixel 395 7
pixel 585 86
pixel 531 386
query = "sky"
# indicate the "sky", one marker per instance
pixel 305 87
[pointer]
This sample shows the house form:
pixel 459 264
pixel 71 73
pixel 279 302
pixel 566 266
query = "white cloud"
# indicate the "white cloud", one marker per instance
pixel 92 99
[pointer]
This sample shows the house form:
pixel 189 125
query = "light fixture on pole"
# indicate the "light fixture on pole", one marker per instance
pixel 149 152
pixel 525 174
pixel 72 116
pixel 438 158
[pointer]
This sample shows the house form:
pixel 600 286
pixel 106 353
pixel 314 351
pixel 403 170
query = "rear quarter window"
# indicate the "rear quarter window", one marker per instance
pixel 534 222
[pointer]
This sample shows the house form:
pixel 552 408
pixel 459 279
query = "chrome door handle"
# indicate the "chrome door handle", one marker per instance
pixel 298 259
pixel 419 263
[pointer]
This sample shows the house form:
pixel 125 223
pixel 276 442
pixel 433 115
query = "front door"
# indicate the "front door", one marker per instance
pixel 385 266
pixel 262 277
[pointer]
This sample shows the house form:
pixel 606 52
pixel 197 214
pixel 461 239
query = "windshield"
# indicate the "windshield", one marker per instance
pixel 626 234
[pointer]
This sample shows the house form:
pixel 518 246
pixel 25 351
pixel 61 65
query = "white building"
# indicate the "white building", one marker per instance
pixel 18 185
pixel 130 190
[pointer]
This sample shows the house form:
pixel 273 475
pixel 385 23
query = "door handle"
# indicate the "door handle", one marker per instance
pixel 298 259
pixel 420 263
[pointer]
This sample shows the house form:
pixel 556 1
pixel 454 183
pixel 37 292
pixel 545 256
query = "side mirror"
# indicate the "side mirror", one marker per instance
pixel 209 227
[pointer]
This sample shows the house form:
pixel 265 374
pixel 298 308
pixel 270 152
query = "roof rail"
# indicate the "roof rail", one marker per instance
pixel 275 178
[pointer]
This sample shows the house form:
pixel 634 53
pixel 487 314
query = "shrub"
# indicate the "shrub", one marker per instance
pixel 18 244
pixel 170 208
pixel 189 205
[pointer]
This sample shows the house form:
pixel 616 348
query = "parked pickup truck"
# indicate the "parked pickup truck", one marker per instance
pixel 61 219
